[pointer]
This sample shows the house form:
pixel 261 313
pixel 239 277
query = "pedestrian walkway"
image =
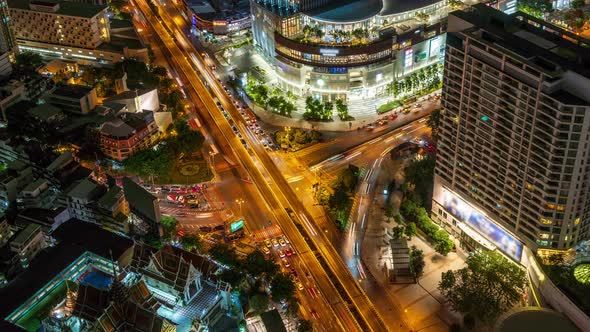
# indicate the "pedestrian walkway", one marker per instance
pixel 422 303
pixel 267 233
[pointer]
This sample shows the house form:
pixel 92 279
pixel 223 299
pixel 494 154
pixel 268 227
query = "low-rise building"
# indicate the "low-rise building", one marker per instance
pixel 144 209
pixel 81 197
pixel 48 219
pixel 27 243
pixel 219 17
pixel 127 134
pixel 75 99
pixel 114 210
pixel 12 181
pixel 5 231
pixel 37 194
pixel 135 100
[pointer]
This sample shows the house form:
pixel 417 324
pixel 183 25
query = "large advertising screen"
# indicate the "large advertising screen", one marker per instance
pixel 507 243
pixel 236 226
pixel 434 46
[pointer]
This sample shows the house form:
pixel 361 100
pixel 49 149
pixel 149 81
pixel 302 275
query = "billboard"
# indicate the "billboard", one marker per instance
pixel 236 226
pixel 434 46
pixel 506 242
pixel 408 57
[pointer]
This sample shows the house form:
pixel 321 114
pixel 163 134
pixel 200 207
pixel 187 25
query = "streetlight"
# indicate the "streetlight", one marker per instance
pixel 240 201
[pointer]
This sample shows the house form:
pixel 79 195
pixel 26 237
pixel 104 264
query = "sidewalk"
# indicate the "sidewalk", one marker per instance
pixel 422 303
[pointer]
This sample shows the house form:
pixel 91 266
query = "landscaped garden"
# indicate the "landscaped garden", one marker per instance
pixel 177 158
pixel 419 83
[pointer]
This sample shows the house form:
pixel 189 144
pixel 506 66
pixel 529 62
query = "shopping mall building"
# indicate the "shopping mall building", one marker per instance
pixel 347 48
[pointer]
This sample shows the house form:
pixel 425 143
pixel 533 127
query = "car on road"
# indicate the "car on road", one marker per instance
pixel 286 262
pixel 281 254
pixel 299 285
pixel 293 272
pixel 275 243
pixel 219 228
pixel 282 242
pixel 266 251
pixel 267 243
pixel 205 229
pixel 314 314
pixel 288 252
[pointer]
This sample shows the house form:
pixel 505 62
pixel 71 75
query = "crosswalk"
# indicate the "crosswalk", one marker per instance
pixel 267 233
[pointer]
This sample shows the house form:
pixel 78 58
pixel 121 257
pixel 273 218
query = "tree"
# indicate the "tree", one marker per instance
pixel 417 262
pixel 342 110
pixel 224 254
pixel 398 232
pixel 410 230
pixel 169 224
pixel 577 4
pixel 444 244
pixel 258 303
pixel 282 287
pixel 433 122
pixel 191 242
pixel 488 286
pixel 257 265
pixel 28 61
pixel 232 277
pixel 304 326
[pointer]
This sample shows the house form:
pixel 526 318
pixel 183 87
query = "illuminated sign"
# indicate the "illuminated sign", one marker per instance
pixel 503 240
pixel 434 47
pixel 236 226
pixel 408 61
pixel 329 51
pixel 219 23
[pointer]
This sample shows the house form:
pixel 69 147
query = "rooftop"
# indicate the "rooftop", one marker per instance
pixel 139 198
pixel 535 319
pixel 68 8
pixel 351 11
pixel 110 197
pixel 72 91
pixel 74 238
pixel 25 234
pixel 45 112
pixel 547 47
pixel 84 189
pixel 392 7
pixel 125 125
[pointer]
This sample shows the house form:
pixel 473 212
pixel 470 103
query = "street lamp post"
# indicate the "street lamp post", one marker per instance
pixel 240 201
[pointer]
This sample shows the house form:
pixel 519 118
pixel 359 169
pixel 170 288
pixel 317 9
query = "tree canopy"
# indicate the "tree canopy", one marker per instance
pixel 488 286
pixel 224 254
pixel 257 264
pixel 191 242
pixel 282 287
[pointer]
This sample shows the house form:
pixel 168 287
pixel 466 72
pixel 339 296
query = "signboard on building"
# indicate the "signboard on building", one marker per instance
pixel 408 58
pixel 236 226
pixel 329 51
pixel 503 240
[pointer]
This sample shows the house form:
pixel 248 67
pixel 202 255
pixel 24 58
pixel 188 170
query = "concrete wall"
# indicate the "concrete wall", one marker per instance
pixel 551 294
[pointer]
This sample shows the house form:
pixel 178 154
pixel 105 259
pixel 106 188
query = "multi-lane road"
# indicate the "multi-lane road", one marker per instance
pixel 346 299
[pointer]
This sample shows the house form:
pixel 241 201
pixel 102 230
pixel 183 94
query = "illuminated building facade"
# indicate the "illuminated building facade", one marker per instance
pixel 512 165
pixel 346 49
pixel 60 23
pixel 69 30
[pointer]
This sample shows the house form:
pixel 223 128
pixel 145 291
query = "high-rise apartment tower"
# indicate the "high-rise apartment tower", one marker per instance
pixel 513 163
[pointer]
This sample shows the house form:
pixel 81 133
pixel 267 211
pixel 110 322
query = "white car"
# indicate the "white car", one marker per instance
pixel 282 242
